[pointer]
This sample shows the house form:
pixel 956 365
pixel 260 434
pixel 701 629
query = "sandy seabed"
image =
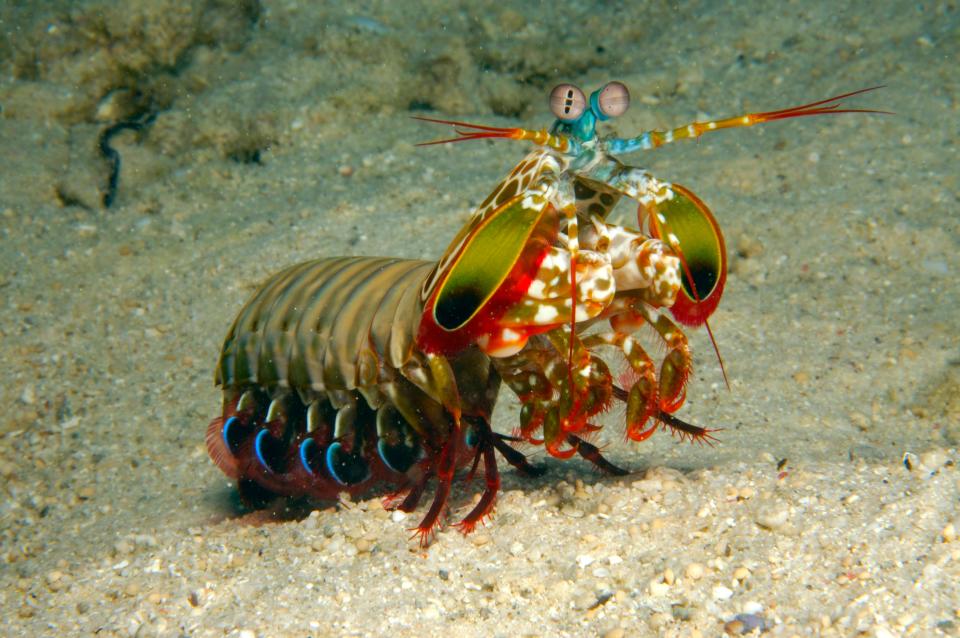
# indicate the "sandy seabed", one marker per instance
pixel 830 505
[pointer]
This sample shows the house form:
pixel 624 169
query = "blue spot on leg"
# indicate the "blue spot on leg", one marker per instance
pixel 344 468
pixel 232 433
pixel 268 450
pixel 398 458
pixel 310 456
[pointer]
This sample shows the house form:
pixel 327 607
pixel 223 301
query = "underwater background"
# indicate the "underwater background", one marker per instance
pixel 266 133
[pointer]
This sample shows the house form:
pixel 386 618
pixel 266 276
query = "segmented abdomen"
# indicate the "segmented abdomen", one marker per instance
pixel 314 325
pixel 316 377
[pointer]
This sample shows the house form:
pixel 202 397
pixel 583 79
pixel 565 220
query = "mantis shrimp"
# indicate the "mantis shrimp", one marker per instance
pixel 340 374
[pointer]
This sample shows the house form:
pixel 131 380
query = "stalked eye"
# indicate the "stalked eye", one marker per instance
pixel 567 102
pixel 614 99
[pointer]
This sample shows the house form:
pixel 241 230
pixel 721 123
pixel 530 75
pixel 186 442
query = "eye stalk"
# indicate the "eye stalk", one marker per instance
pixel 612 100
pixel 567 102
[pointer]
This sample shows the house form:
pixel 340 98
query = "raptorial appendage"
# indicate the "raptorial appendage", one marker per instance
pixel 561 381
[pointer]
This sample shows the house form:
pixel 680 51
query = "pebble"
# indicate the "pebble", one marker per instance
pixel 772 518
pixel 910 461
pixel 866 453
pixel 722 592
pixel 658 588
pixel 85 230
pixel 579 490
pixel 949 533
pixel 748 246
pixel 936 266
pixel 571 512
pixel 362 545
pixel 480 540
pixel 681 612
pixel 694 571
pixel 55 580
pixel 368 24
pixel 28 396
pixel 744 624
pixel 658 620
pixel 933 460
pixel 859 420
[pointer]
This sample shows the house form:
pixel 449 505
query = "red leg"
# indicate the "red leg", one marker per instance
pixel 445 469
pixel 412 497
pixel 592 453
pixel 514 457
pixel 492 478
pixel 476 463
pixel 686 430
